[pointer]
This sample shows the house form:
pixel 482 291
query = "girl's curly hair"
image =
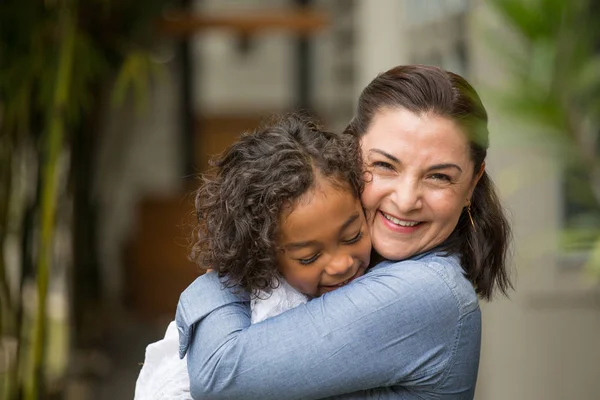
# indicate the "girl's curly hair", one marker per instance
pixel 238 207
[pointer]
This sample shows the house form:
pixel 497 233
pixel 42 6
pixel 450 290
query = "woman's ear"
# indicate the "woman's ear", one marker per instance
pixel 480 173
pixel 476 179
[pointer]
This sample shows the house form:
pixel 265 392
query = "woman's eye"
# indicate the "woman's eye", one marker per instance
pixel 306 261
pixel 441 177
pixel 355 239
pixel 383 165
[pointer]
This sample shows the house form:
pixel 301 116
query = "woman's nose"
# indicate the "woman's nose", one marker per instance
pixel 407 196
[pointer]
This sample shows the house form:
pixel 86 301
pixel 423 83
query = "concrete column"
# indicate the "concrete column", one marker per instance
pixel 380 37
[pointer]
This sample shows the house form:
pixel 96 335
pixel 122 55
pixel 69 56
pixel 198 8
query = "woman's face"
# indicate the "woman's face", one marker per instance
pixel 419 179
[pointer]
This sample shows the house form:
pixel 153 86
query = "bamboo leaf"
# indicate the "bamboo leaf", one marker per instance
pixel 52 147
pixel 136 74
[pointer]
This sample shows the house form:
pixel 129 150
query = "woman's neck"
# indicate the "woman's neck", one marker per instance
pixel 376 258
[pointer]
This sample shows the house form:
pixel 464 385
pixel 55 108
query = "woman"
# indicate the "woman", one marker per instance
pixel 408 329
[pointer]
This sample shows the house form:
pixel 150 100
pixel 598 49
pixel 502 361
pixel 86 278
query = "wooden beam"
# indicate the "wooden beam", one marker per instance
pixel 299 22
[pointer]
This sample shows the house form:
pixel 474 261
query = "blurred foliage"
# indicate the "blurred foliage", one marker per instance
pixel 56 59
pixel 554 66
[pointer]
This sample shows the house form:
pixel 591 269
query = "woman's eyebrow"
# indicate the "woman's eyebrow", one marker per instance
pixel 386 155
pixel 433 167
pixel 444 166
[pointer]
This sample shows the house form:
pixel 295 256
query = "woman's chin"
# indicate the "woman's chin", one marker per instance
pixel 391 249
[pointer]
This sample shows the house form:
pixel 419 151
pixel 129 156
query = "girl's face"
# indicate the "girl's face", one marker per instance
pixel 419 179
pixel 324 240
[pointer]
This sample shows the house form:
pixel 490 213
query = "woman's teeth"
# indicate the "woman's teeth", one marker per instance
pixel 398 221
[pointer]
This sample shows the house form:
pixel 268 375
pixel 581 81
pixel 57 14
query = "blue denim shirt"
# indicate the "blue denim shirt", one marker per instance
pixel 406 330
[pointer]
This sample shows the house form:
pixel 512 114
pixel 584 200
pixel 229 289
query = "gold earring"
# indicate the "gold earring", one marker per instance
pixel 471 217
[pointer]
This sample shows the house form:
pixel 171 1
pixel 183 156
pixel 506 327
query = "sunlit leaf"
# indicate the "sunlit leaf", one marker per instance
pixel 593 263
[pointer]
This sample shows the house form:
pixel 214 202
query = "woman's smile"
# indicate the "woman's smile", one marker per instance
pixel 399 224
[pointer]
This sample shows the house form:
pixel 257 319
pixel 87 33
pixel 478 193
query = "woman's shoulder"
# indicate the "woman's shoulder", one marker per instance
pixel 426 298
pixel 433 274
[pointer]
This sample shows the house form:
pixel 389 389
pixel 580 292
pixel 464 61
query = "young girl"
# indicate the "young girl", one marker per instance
pixel 281 219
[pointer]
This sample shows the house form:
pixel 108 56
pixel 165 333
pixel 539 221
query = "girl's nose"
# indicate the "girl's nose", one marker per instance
pixel 340 264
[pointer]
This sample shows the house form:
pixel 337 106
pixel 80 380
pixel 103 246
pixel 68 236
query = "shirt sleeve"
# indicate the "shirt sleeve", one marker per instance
pixel 163 374
pixel 396 325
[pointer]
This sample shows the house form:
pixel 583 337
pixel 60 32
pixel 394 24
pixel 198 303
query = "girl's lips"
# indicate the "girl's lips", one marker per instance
pixel 398 228
pixel 358 273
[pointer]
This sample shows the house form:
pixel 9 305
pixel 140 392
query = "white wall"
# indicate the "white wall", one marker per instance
pixel 263 78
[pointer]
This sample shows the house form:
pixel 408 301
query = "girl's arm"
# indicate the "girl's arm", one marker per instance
pixel 397 325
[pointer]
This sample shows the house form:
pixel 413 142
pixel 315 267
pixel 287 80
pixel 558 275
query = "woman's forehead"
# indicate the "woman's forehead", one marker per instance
pixel 404 134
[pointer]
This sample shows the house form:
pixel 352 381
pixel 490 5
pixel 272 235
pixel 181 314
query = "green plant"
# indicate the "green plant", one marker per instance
pixel 56 58
pixel 554 66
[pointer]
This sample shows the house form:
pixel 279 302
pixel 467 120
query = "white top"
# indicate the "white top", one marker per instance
pixel 165 376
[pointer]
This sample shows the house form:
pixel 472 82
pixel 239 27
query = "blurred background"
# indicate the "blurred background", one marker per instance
pixel 110 109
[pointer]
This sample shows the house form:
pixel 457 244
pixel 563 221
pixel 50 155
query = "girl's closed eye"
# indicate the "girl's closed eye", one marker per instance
pixel 310 260
pixel 355 239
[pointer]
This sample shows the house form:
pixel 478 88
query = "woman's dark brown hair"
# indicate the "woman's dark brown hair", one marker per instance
pixel 430 90
pixel 256 179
